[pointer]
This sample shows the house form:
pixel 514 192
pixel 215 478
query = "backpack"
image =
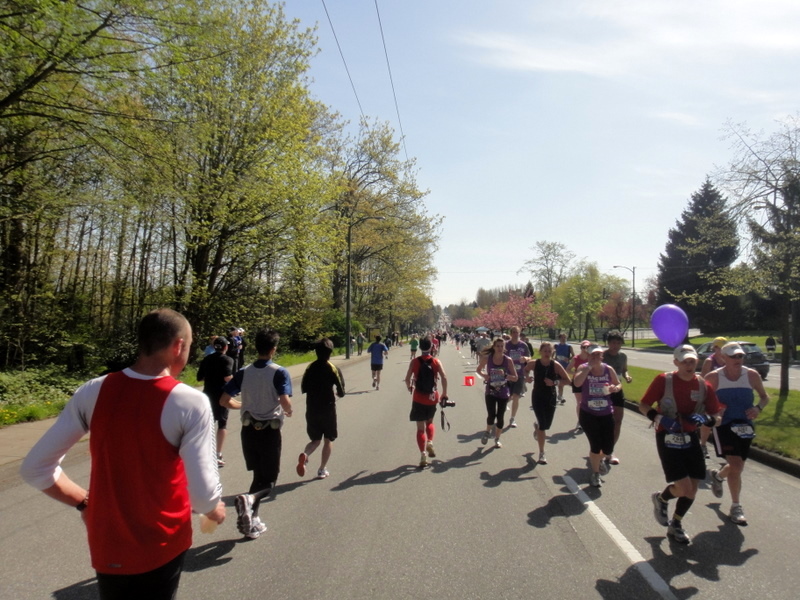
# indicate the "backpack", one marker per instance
pixel 425 381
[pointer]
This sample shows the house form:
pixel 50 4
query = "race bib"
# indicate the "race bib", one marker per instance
pixel 597 403
pixel 599 389
pixel 561 358
pixel 678 440
pixel 497 377
pixel 744 431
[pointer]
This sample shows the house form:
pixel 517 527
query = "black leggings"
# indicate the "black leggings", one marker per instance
pixel 159 584
pixel 495 411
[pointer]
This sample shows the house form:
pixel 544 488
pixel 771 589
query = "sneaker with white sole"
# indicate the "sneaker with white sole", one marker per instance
pixel 737 515
pixel 676 532
pixel 220 460
pixel 512 422
pixel 612 460
pixel 256 529
pixel 603 467
pixel 660 509
pixel 429 449
pixel 485 438
pixel 423 460
pixel 322 473
pixel 596 480
pixel 716 484
pixel 497 444
pixel 542 459
pixel 244 512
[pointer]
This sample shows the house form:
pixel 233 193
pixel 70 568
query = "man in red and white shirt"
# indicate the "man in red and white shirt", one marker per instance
pixel 153 462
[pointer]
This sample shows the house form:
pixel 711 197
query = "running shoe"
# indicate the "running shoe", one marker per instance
pixel 512 422
pixel 377 388
pixel 676 532
pixel 429 449
pixel 423 460
pixel 596 480
pixel 705 451
pixel 302 461
pixel 578 428
pixel 256 529
pixel 323 473
pixel 612 460
pixel 542 459
pixel 497 444
pixel 220 461
pixel 660 508
pixel 244 512
pixel 716 484
pixel 485 438
pixel 374 382
pixel 737 515
pixel 603 467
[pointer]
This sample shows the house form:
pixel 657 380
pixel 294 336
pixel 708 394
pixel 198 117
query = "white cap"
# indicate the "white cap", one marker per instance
pixel 733 349
pixel 681 353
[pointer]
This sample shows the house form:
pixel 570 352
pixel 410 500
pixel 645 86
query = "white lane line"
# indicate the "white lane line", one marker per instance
pixel 637 560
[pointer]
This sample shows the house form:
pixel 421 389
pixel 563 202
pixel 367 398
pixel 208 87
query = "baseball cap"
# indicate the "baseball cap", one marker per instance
pixel 681 353
pixel 719 342
pixel 220 342
pixel 585 344
pixel 594 348
pixel 733 349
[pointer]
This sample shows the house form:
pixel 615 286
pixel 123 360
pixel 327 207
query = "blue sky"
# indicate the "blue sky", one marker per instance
pixel 589 123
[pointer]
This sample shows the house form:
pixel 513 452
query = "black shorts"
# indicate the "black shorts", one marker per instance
pixel 421 412
pixel 678 463
pixel 576 389
pixel 322 423
pixel 220 412
pixel 618 398
pixel 729 443
pixel 518 387
pixel 377 367
pixel 599 430
pixel 544 407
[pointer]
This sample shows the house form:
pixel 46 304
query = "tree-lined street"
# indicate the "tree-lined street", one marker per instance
pixel 478 523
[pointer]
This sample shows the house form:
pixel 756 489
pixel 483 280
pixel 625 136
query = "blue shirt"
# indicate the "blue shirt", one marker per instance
pixel 376 349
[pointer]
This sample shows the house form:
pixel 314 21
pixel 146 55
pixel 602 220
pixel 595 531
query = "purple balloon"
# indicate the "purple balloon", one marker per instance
pixel 670 324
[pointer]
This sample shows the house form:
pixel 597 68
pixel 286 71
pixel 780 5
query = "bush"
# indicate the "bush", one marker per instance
pixel 34 394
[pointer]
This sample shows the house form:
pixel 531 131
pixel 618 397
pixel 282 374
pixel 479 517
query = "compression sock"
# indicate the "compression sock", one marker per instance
pixel 666 495
pixel 421 440
pixel 682 507
pixel 430 430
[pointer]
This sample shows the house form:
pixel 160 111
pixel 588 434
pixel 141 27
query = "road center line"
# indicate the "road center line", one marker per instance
pixel 637 560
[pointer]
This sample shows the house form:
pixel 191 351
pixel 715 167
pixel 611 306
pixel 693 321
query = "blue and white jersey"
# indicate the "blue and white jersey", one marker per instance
pixel 737 396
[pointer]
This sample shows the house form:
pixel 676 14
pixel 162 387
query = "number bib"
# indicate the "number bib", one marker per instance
pixel 744 431
pixel 597 403
pixel 678 440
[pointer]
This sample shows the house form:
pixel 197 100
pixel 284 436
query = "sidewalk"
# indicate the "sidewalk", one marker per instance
pixel 17 440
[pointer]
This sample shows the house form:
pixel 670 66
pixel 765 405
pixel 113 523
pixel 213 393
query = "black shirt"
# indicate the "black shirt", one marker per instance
pixel 213 370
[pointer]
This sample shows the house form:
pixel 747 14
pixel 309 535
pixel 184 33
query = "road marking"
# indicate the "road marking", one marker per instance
pixel 637 560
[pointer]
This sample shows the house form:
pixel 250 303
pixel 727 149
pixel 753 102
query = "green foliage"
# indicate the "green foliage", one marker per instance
pixel 34 394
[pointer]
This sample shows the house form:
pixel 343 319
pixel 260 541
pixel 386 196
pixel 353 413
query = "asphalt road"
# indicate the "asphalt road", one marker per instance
pixel 479 523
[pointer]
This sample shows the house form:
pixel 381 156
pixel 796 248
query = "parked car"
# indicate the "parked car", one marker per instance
pixel 753 358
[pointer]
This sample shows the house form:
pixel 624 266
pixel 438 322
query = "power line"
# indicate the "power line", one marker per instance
pixel 391 80
pixel 352 85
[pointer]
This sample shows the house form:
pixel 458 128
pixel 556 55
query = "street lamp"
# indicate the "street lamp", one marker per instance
pixel 350 226
pixel 633 302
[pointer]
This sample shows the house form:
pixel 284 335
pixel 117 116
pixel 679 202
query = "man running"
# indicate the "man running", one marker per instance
pixel 520 354
pixel 564 354
pixel 685 402
pixel 619 362
pixel 735 384
pixel 421 377
pixel 377 351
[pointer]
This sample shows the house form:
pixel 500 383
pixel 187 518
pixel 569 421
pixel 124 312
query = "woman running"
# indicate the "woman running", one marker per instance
pixel 581 359
pixel 546 374
pixel 497 370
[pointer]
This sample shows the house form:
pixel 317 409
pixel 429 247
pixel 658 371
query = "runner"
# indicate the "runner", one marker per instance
pixel 564 354
pixel 497 370
pixel 712 363
pixel 581 359
pixel 413 343
pixel 421 383
pixel 545 374
pixel 685 401
pixel 619 362
pixel 735 385
pixel 378 351
pixel 597 382
pixel 519 353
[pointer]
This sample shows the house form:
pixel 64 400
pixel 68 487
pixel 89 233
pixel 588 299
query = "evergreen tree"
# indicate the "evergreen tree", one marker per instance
pixel 702 244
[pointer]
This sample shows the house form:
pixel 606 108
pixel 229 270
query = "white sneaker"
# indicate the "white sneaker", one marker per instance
pixel 429 449
pixel 595 480
pixel 256 529
pixel 512 422
pixel 737 515
pixel 542 459
pixel 244 512
pixel 603 468
pixel 423 460
pixel 322 473
pixel 497 444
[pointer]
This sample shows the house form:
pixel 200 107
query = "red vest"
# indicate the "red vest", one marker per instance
pixel 139 513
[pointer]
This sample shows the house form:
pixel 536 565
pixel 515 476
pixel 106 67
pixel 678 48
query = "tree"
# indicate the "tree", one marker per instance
pixel 763 178
pixel 703 243
pixel 550 266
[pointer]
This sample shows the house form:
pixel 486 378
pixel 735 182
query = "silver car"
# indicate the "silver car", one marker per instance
pixel 753 358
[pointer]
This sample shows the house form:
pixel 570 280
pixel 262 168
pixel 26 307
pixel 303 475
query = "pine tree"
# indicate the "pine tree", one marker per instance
pixel 703 242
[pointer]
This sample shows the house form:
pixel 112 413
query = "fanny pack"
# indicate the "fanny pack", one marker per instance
pixel 249 421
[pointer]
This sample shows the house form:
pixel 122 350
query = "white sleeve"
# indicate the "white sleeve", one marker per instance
pixel 42 466
pixel 188 424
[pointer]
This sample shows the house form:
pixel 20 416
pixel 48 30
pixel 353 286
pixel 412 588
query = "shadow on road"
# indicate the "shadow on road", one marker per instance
pixel 83 590
pixel 210 555
pixel 513 474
